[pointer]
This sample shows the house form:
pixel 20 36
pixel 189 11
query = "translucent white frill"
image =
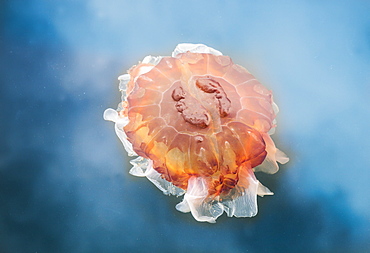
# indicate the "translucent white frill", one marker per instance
pixel 274 155
pixel 144 168
pixel 112 115
pixel 204 209
pixel 194 48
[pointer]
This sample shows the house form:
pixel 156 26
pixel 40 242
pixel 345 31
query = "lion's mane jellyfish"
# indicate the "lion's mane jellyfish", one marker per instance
pixel 199 125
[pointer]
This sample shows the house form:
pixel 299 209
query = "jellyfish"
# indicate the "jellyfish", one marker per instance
pixel 199 126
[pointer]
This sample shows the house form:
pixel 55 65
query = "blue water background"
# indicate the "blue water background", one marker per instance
pixel 64 182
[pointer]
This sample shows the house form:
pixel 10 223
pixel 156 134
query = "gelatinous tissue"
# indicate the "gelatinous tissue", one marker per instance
pixel 199 126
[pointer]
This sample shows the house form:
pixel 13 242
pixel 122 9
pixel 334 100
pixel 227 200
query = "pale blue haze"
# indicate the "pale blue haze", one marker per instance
pixel 64 182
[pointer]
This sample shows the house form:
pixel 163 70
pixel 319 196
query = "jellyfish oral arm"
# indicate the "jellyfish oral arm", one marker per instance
pixel 208 210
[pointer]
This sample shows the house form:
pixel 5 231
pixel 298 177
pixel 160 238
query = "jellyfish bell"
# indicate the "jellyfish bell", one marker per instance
pixel 200 126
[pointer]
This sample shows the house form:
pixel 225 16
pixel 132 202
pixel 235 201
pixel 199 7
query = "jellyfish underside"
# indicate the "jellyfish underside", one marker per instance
pixel 200 125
